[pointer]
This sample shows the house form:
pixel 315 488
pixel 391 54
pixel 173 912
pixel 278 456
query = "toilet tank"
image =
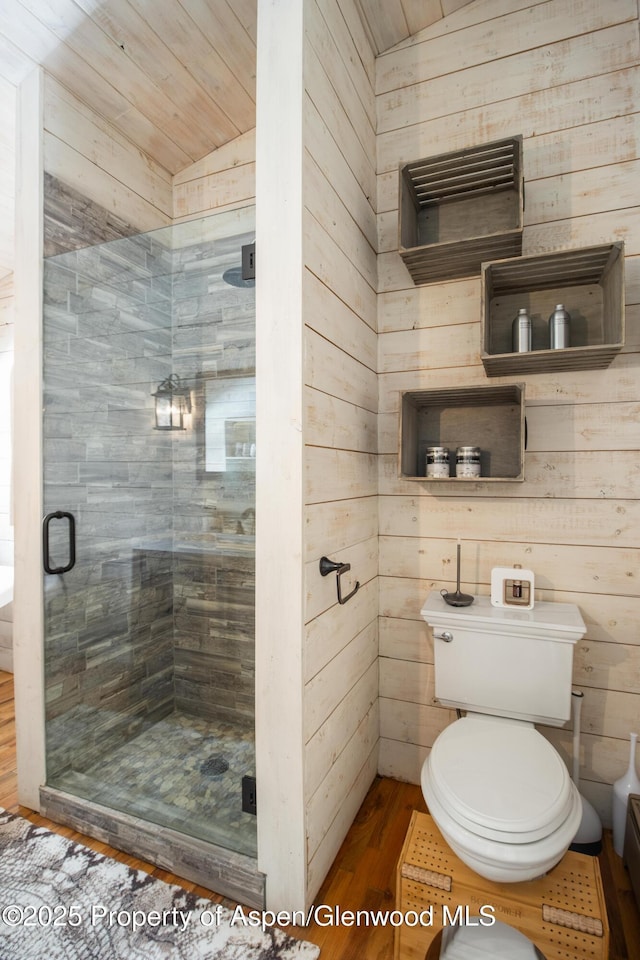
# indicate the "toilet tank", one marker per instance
pixel 505 662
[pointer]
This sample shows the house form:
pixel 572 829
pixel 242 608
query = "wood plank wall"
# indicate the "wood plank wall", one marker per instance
pixel 84 151
pixel 565 75
pixel 225 178
pixel 339 297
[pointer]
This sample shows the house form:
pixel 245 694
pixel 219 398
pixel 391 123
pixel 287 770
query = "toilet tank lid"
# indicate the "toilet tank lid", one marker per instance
pixel 558 621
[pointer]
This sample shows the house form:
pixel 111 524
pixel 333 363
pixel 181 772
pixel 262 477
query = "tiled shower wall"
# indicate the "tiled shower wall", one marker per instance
pixel 213 338
pixel 134 633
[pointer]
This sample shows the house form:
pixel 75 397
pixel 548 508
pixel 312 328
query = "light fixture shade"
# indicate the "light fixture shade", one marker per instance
pixel 172 401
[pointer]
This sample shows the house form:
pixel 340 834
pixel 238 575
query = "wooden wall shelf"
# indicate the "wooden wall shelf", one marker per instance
pixel 491 418
pixel 460 209
pixel 590 284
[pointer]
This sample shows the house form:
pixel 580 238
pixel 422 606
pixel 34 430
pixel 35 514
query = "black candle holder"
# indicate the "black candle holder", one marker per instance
pixel 457 599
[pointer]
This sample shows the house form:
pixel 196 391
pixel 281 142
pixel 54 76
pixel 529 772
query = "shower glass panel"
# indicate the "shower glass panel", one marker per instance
pixel 149 636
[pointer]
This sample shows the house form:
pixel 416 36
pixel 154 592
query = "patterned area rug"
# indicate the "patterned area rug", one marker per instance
pixel 62 901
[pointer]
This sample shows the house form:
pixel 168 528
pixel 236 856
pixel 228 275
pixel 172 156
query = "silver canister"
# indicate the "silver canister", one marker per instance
pixel 521 332
pixel 438 462
pixel 559 331
pixel 468 462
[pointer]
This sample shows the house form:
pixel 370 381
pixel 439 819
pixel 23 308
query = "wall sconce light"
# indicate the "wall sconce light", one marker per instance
pixel 172 401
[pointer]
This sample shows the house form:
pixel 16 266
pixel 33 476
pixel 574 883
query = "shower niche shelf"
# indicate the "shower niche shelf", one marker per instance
pixel 460 209
pixel 489 417
pixel 588 281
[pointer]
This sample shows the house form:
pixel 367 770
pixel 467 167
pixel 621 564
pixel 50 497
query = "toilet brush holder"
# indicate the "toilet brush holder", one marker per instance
pixel 628 783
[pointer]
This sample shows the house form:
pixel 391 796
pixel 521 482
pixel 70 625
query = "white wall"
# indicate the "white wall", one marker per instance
pixel 6 367
pixel 7 187
pixel 565 75
pixel 6 513
pixel 27 444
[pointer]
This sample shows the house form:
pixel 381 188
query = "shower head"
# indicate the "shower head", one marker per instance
pixel 234 277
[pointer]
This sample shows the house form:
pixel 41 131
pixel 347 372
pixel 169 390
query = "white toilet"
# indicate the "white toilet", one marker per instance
pixel 498 791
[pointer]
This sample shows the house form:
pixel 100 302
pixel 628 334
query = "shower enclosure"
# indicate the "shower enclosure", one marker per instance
pixel 149 493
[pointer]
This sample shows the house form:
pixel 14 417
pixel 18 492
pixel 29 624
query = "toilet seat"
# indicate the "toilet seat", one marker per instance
pixel 478 767
pixel 500 779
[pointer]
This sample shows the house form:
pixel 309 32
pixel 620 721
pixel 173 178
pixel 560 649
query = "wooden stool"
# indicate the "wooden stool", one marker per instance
pixel 562 913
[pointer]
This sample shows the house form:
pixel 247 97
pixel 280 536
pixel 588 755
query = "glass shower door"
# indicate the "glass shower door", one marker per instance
pixel 149 530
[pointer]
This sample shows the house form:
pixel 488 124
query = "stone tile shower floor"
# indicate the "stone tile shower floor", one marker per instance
pixel 184 773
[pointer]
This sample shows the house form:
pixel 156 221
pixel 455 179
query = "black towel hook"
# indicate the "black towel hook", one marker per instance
pixel 333 566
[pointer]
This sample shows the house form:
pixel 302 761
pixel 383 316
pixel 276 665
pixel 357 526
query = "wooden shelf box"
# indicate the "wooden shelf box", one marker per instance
pixel 590 284
pixel 460 209
pixel 491 418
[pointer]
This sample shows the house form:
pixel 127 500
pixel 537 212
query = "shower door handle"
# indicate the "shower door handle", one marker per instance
pixel 46 558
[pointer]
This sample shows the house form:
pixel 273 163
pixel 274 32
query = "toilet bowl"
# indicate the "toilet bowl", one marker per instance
pixel 501 796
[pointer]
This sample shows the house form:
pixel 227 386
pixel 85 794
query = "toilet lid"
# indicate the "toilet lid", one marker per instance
pixel 500 779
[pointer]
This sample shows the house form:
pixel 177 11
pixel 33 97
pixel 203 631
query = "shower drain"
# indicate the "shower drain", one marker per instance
pixel 214 766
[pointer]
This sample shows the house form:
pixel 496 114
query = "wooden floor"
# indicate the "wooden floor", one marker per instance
pixel 363 875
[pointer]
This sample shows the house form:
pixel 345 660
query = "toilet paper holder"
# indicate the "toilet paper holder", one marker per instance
pixel 334 566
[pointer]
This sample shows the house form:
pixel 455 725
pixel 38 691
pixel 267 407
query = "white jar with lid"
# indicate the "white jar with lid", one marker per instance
pixel 468 462
pixel 438 462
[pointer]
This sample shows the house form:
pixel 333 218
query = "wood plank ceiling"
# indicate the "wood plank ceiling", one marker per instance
pixel 177 77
